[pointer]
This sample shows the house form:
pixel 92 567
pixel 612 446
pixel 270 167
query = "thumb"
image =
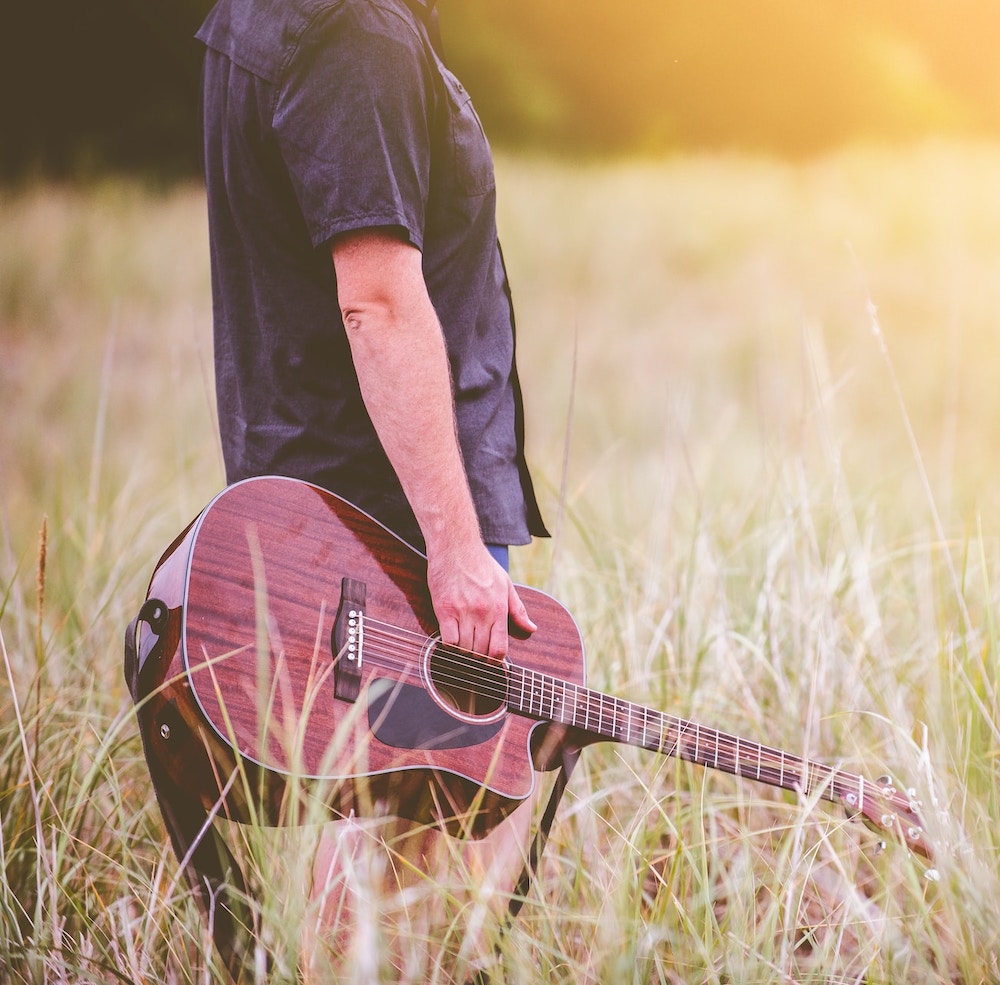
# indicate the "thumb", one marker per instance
pixel 518 613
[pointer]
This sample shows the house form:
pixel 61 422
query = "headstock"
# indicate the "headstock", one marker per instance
pixel 883 807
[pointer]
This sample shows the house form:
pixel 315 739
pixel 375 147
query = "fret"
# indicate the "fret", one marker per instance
pixel 808 778
pixel 668 737
pixel 697 743
pixel 678 737
pixel 759 750
pixel 736 761
pixel 827 780
pixel 835 786
pixel 716 752
pixel 569 704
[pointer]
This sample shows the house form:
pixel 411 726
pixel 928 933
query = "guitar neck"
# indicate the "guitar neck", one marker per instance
pixel 601 716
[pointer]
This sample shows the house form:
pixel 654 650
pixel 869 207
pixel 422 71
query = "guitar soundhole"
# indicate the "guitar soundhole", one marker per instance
pixel 466 685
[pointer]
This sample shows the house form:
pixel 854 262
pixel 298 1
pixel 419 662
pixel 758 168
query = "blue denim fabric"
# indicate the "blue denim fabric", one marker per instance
pixel 500 554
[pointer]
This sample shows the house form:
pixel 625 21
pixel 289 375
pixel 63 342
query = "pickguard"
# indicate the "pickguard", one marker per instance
pixel 405 716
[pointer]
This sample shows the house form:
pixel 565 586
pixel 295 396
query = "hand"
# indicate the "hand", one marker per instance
pixel 473 598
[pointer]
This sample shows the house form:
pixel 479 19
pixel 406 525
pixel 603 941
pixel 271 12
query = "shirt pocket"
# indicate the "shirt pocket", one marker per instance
pixel 471 158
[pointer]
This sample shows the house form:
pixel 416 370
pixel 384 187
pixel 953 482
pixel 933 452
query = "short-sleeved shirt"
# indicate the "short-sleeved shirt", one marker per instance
pixel 323 117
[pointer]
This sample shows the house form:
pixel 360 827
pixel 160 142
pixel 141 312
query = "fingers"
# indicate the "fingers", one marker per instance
pixel 477 627
pixel 475 635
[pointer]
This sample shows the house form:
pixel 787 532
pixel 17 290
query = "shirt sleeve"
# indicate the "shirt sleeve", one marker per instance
pixel 353 122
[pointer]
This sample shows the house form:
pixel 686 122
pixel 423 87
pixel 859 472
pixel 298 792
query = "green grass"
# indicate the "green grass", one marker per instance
pixel 762 416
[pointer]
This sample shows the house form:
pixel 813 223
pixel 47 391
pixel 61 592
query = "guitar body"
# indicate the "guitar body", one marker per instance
pixel 264 690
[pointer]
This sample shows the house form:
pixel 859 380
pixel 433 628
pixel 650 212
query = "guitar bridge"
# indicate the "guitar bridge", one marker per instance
pixel 347 640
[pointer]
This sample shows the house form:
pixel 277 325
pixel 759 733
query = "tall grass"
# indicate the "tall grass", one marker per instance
pixel 761 414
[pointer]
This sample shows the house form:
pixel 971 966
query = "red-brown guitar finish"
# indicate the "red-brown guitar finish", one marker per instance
pixel 293 629
pixel 254 589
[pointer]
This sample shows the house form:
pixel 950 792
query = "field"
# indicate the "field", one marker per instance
pixel 762 416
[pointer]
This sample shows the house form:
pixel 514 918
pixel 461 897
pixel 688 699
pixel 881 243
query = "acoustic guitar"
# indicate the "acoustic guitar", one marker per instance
pixel 288 656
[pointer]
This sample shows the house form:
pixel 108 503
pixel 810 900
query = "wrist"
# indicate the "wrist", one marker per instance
pixel 453 535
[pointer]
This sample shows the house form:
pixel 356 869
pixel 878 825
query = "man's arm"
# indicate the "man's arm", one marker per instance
pixel 402 367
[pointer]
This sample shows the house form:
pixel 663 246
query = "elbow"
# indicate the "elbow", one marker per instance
pixel 365 317
pixel 352 318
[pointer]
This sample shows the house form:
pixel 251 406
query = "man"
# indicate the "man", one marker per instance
pixel 364 333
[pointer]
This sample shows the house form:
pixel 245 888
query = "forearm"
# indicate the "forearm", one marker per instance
pixel 402 369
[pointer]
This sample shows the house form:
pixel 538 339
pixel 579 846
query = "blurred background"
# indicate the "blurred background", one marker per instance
pixel 754 249
pixel 111 84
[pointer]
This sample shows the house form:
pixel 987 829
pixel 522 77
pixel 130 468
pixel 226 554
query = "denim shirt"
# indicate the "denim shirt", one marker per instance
pixel 327 116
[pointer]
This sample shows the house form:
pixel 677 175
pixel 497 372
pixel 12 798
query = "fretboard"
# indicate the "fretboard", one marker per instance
pixel 604 716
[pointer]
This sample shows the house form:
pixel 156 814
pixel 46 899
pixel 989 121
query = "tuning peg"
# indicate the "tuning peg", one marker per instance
pixel 888 787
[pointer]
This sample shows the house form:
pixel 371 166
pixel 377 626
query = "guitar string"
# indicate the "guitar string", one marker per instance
pixel 764 763
pixel 453 665
pixel 726 747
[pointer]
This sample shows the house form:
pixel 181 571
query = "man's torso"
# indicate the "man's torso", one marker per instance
pixel 323 117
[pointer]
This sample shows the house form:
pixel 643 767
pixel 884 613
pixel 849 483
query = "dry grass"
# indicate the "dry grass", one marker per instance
pixel 779 518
